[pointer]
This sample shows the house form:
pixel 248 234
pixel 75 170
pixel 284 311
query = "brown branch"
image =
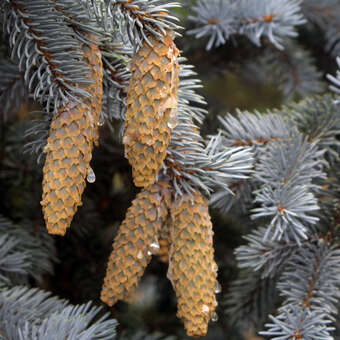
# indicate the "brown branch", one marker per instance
pixel 311 286
pixel 268 18
pixel 41 46
pixel 136 13
pixel 294 243
pixel 249 142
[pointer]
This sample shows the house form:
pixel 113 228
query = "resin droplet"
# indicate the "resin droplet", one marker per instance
pixel 139 255
pixel 149 253
pixel 154 247
pixel 214 317
pixel 169 274
pixel 127 139
pixel 173 122
pixel 101 121
pixel 218 288
pixel 46 148
pixel 205 309
pixel 91 177
pixel 214 267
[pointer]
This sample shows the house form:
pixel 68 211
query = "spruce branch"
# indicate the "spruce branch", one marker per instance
pixel 292 323
pixel 335 80
pixel 291 163
pixel 318 118
pixel 25 252
pixel 325 14
pixel 289 209
pixel 190 102
pixel 13 90
pixel 333 39
pixel 192 162
pixel 227 164
pixel 271 19
pixel 253 129
pixel 29 313
pixel 19 305
pixel 77 17
pixel 309 285
pixel 241 197
pixel 292 70
pixel 36 134
pixel 313 284
pixel 12 261
pixel 115 56
pixel 17 166
pixel 135 19
pixel 38 36
pixel 250 299
pixel 116 78
pixel 215 19
pixel 268 257
pixel 72 322
pixel 286 171
pixel 320 12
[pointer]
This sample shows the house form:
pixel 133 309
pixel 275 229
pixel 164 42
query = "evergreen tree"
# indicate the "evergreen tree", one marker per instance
pixel 77 74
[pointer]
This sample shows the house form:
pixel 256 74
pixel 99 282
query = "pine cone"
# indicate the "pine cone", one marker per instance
pixel 192 269
pixel 135 242
pixel 151 108
pixel 73 132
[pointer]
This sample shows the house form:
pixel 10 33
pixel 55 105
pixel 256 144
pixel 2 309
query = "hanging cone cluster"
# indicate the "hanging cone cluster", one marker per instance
pixel 135 242
pixel 192 269
pixel 151 107
pixel 184 236
pixel 185 240
pixel 73 132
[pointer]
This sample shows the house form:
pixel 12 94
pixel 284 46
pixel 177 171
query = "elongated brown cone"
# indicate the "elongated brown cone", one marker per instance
pixel 192 269
pixel 151 108
pixel 135 243
pixel 72 135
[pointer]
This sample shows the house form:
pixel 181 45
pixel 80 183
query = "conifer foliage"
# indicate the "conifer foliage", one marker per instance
pixel 86 63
